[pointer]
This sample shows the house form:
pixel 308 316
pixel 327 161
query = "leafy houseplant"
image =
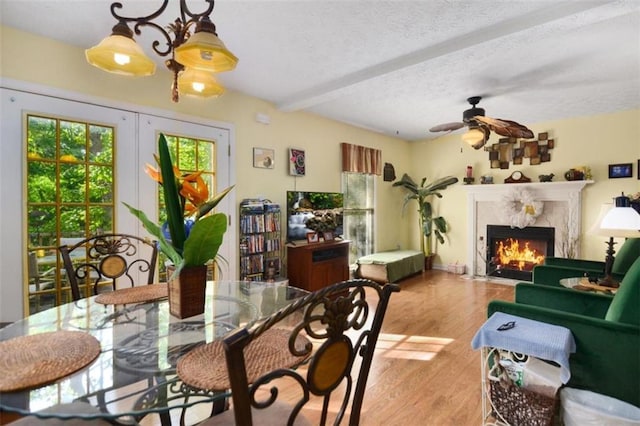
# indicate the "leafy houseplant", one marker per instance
pixel 195 235
pixel 422 195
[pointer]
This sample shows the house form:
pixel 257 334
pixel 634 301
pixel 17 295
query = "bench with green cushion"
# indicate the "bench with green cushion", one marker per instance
pixel 606 330
pixel 390 266
pixel 556 268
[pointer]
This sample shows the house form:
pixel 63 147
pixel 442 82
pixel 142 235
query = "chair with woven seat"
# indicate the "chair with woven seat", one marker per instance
pixel 330 335
pixel 115 259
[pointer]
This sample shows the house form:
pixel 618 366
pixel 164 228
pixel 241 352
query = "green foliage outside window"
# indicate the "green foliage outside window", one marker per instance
pixel 70 194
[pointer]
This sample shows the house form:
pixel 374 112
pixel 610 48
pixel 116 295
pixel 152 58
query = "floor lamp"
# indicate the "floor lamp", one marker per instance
pixel 619 221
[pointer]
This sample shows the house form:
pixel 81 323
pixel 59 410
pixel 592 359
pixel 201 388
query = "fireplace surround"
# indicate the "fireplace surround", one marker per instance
pixel 562 211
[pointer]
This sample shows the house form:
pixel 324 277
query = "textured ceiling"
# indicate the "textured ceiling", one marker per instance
pixel 399 67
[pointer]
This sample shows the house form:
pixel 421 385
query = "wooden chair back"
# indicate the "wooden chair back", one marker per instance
pixel 112 258
pixel 342 323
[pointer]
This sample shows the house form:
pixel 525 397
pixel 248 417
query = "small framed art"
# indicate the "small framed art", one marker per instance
pixel 296 162
pixel 327 235
pixel 263 158
pixel 623 170
pixel 313 237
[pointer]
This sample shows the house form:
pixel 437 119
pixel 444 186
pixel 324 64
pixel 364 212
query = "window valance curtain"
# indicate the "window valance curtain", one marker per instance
pixel 360 159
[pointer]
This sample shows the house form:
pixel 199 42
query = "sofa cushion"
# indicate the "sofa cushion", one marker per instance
pixel 628 253
pixel 625 306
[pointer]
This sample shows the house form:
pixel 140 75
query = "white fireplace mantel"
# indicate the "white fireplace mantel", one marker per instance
pixel 565 192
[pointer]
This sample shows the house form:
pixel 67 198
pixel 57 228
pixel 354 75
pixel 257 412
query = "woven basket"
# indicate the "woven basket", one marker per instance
pixel 519 406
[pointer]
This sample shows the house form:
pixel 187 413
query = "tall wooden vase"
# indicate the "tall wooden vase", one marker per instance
pixel 187 292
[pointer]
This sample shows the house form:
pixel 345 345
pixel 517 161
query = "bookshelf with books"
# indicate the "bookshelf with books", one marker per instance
pixel 260 241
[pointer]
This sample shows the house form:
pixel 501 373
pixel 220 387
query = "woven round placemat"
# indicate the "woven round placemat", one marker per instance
pixel 37 359
pixel 138 294
pixel 205 367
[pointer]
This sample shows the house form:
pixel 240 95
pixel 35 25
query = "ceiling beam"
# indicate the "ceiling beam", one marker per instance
pixel 332 89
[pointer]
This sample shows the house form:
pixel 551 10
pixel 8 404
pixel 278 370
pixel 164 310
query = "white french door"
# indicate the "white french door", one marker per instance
pixel 150 127
pixel 135 143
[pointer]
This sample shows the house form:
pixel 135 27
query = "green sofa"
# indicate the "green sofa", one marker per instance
pixel 606 330
pixel 556 268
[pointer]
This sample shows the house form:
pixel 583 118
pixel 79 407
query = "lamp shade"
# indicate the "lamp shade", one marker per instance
pixel 621 220
pixel 121 55
pixel 200 83
pixel 620 228
pixel 596 228
pixel 205 51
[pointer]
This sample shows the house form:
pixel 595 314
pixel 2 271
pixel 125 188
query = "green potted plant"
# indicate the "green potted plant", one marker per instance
pixel 194 236
pixel 429 224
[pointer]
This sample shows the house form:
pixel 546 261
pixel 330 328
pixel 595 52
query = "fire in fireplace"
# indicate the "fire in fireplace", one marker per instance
pixel 513 252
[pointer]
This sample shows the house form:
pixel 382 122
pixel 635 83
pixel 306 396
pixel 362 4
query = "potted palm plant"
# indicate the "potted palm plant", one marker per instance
pixel 430 225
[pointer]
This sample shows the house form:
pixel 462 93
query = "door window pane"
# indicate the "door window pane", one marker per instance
pixel 73 141
pixel 70 194
pixel 191 155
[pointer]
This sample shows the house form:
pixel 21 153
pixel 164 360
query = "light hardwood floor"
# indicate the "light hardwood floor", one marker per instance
pixel 425 372
pixel 430 375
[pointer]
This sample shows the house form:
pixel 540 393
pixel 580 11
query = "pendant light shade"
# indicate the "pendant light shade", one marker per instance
pixel 121 55
pixel 189 43
pixel 205 51
pixel 199 83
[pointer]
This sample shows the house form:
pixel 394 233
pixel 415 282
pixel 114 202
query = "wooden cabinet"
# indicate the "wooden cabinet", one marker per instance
pixel 317 265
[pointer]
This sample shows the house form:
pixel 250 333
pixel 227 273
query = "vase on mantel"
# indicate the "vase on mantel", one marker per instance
pixel 187 291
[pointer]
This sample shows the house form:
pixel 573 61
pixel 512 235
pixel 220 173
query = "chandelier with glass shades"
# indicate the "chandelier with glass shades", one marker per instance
pixel 191 41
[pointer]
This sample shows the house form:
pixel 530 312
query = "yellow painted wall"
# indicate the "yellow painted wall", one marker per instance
pixel 587 141
pixel 593 141
pixel 63 66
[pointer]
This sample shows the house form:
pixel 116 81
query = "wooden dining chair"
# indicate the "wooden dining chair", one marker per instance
pixel 325 343
pixel 109 258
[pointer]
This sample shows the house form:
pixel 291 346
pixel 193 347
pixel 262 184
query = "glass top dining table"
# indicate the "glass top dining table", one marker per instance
pixel 135 372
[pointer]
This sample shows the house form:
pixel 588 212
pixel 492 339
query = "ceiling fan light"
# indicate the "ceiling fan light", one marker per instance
pixel 205 51
pixel 120 55
pixel 199 83
pixel 475 137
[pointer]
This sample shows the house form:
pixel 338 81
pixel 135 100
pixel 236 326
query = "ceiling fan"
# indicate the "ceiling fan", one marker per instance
pixel 480 126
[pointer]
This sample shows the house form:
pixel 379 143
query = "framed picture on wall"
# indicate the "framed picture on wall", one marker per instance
pixel 296 162
pixel 263 158
pixel 623 170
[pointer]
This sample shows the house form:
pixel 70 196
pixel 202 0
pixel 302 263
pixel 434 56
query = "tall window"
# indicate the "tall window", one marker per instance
pixel 359 193
pixel 190 155
pixel 70 195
